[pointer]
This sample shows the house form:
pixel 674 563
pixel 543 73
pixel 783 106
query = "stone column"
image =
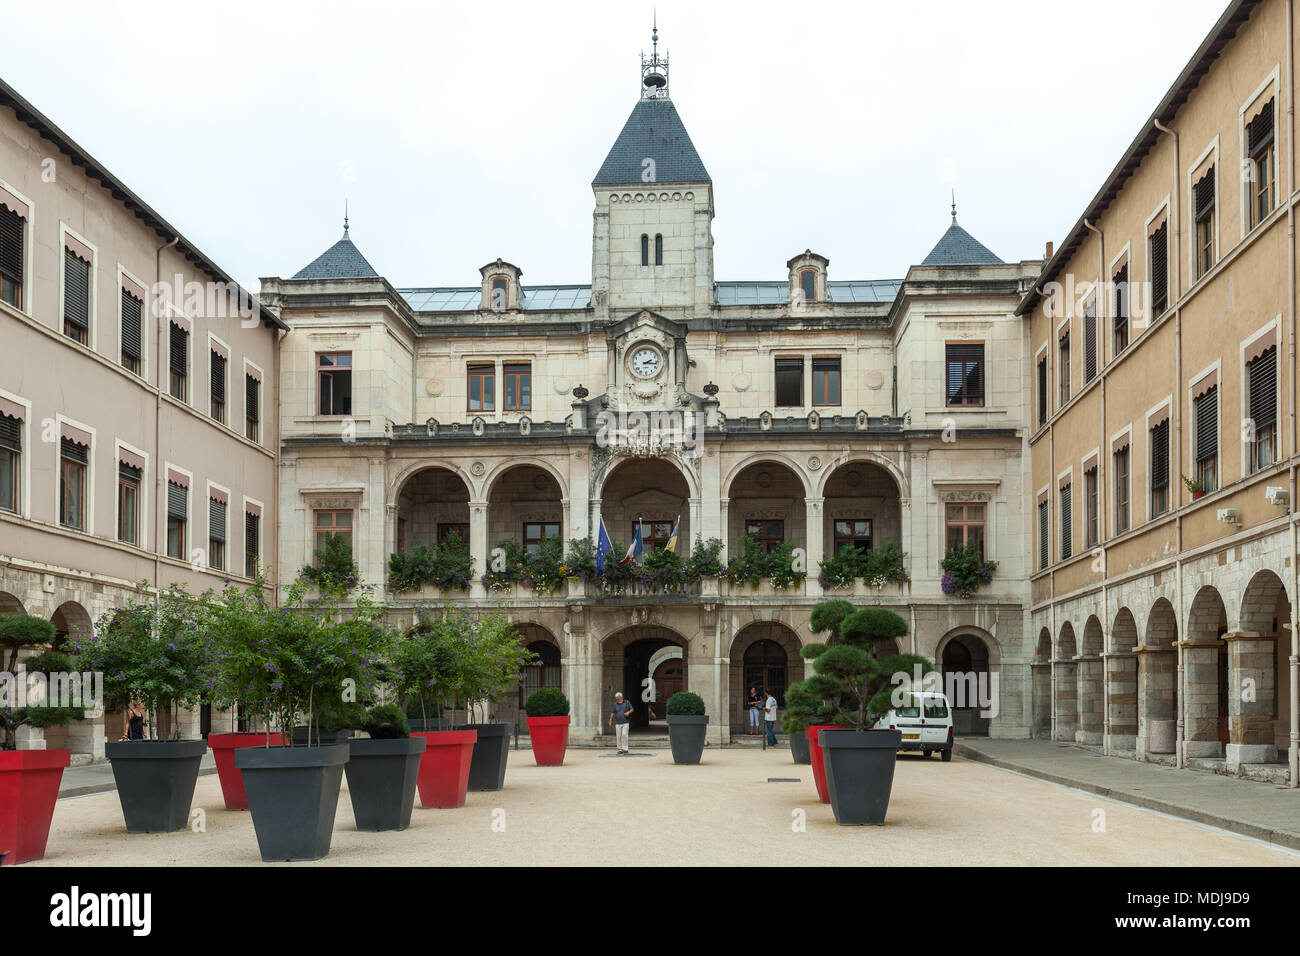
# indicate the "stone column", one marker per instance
pixel 724 525
pixel 1122 689
pixel 816 537
pixel 1252 683
pixel 1090 703
pixel 1041 696
pixel 1201 700
pixel 1065 700
pixel 1157 692
pixel 478 547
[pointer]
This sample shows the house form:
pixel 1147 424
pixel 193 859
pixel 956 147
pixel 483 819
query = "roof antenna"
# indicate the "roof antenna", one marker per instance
pixel 345 219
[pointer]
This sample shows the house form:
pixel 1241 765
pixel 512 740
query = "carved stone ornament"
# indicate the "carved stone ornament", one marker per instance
pixel 477 469
pixel 814 462
pixel 965 496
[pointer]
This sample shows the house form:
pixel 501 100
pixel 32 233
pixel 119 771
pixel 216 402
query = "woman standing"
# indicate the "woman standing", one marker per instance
pixel 134 722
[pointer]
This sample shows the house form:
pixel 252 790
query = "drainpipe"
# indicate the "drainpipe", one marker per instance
pixel 280 336
pixel 1293 755
pixel 159 480
pixel 1099 323
pixel 1175 294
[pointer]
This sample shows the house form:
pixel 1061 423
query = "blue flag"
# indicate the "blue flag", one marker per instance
pixel 603 547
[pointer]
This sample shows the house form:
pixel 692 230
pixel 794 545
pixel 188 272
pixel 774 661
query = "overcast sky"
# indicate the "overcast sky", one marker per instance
pixel 460 132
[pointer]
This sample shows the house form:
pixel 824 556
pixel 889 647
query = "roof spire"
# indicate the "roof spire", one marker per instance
pixel 654 71
pixel 954 207
pixel 345 219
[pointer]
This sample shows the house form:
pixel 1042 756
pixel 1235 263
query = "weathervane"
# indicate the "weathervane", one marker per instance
pixel 654 71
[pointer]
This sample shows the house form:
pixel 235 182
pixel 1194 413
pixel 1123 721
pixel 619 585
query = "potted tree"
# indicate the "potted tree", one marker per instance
pixel 548 725
pixel 859 761
pixel 496 656
pixel 382 770
pixel 687 726
pixel 29 779
pixel 817 697
pixel 153 651
pixel 428 663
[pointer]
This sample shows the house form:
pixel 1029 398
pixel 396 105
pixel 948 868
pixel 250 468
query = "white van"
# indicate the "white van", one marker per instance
pixel 926 723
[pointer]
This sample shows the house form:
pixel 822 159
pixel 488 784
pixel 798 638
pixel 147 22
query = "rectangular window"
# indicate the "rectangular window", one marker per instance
pixel 11 453
pixel 252 408
pixel 74 458
pixel 964 525
pixel 331 524
pixel 518 386
pixel 217 385
pixel 645 249
pixel 11 257
pixel 537 531
pixel 128 503
pixel 1158 248
pixel 252 543
pixel 459 529
pixel 216 534
pixel 132 331
pixel 1090 341
pixel 826 381
pixel 1121 311
pixel 659 250
pixel 1091 529
pixel 1259 147
pixel 1159 439
pixel 789 382
pixel 1044 536
pixel 808 285
pixel 1067 522
pixel 965 373
pixel 1063 370
pixel 768 534
pixel 482 388
pixel 1203 194
pixel 854 531
pixel 76 297
pixel 178 504
pixel 1261 377
pixel 1205 417
pixel 1121 490
pixel 334 381
pixel 655 534
pixel 1042 391
pixel 500 294
pixel 178 362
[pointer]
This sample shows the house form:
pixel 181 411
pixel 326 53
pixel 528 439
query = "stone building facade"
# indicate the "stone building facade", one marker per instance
pixel 1164 331
pixel 800 408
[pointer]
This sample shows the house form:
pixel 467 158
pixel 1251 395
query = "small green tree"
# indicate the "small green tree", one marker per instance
pixel 18 631
pixel 334 570
pixel 826 617
pixel 547 702
pixel 685 703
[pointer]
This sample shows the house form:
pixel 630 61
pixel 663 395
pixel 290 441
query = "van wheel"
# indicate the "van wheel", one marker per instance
pixel 947 754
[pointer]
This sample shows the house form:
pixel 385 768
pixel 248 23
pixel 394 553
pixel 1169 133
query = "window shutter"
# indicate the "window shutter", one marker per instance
pixel 965 374
pixel 1207 424
pixel 1263 389
pixel 76 290
pixel 177 502
pixel 1259 132
pixel 1160 455
pixel 11 433
pixel 1067 521
pixel 11 244
pixel 218 378
pixel 1204 192
pixel 1042 535
pixel 73 451
pixel 1160 269
pixel 179 345
pixel 132 313
pixel 127 471
pixel 1090 342
pixel 1042 391
pixel 1121 298
pixel 252 395
pixel 216 519
pixel 251 543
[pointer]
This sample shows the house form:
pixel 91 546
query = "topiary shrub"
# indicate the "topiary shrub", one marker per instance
pixel 685 704
pixel 827 616
pixel 386 722
pixel 346 716
pixel 869 625
pixel 547 702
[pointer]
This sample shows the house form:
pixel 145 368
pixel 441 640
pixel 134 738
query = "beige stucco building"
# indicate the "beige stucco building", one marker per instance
pixel 138 437
pixel 1163 344
pixel 799 408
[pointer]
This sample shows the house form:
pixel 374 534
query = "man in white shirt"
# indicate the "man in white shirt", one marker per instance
pixel 769 718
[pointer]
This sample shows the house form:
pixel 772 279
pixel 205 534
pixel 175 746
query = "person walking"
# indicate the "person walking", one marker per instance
pixel 754 704
pixel 769 718
pixel 618 719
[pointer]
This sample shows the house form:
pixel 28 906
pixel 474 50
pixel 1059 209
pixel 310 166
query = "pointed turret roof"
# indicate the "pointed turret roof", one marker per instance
pixel 958 247
pixel 653 131
pixel 343 260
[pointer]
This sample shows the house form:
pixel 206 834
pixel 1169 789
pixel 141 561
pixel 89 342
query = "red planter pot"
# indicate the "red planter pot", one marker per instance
pixel 444 768
pixel 815 755
pixel 550 737
pixel 223 752
pixel 29 786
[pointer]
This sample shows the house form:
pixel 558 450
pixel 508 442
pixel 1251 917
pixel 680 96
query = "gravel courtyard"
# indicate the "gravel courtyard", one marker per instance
pixel 644 810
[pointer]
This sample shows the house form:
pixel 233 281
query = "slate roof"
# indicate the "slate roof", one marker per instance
pixel 959 248
pixel 342 260
pixel 654 130
pixel 774 293
pixel 467 298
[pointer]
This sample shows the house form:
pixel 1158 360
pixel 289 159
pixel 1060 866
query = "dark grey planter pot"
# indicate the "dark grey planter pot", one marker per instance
pixel 487 768
pixel 381 780
pixel 155 781
pixel 800 748
pixel 429 724
pixel 860 773
pixel 293 794
pixel 686 737
pixel 320 738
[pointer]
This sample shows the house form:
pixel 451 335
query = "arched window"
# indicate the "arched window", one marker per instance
pixel 500 293
pixel 547 674
pixel 659 250
pixel 808 283
pixel 645 249
pixel 765 663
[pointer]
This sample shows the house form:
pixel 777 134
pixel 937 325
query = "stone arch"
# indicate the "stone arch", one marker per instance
pixel 70 620
pixel 1041 688
pixel 1122 682
pixel 687 473
pixel 1093 639
pixel 1065 688
pixel 413 468
pixel 1067 648
pixel 765 496
pixel 780 665
pixel 1043 649
pixel 656 490
pixel 1157 683
pixel 1162 624
pixel 861 506
pixel 431 502
pixel 1090 687
pixel 966 658
pixel 1259 603
pixel 497 471
pixel 626 655
pixel 1205 675
pixel 867 458
pixel 9 604
pixel 1123 633
pixel 551 672
pixel 1258 655
pixel 775 458
pixel 524 503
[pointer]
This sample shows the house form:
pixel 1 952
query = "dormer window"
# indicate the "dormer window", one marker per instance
pixel 500 287
pixel 500 293
pixel 807 278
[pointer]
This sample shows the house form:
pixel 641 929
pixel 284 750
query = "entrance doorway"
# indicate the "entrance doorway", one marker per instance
pixel 765 669
pixel 654 668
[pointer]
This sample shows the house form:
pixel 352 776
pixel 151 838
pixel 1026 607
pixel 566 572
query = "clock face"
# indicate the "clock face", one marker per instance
pixel 646 362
